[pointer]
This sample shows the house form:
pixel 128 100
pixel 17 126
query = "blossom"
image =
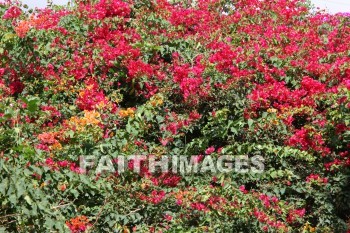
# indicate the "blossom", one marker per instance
pixel 190 79
pixel 168 217
pixel 129 112
pixel 22 28
pixel 16 87
pixel 12 13
pixel 48 138
pixel 90 118
pixel 138 68
pixel 107 8
pixel 156 197
pixel 312 86
pixel 166 179
pixel 199 206
pixel 210 150
pixel 62 187
pixel 78 224
pixel 316 178
pixel 90 99
pixel 242 189
pixel 294 214
pixel 307 139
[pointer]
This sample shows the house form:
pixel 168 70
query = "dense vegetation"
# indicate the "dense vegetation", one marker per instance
pixel 155 78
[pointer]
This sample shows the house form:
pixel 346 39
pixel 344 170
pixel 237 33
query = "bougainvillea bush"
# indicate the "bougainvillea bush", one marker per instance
pixel 165 78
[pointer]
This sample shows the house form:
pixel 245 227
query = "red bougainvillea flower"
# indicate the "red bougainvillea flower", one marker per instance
pixel 89 99
pixel 166 179
pixel 156 197
pixel 210 150
pixel 242 189
pixel 107 8
pixel 12 13
pixel 198 77
pixel 16 87
pixel 316 178
pixel 294 214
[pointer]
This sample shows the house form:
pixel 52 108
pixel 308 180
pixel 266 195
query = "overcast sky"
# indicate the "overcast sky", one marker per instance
pixel 333 6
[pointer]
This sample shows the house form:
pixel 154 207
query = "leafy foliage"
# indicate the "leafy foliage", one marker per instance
pixel 156 78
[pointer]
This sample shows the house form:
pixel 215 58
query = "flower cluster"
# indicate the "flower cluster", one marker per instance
pixel 202 79
pixel 78 224
pixel 12 13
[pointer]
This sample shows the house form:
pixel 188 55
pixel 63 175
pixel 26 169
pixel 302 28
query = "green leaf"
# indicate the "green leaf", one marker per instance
pixel 28 200
pixel 274 174
pixel 250 123
pixel 13 199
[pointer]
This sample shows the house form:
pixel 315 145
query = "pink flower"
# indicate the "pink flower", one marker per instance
pixel 242 189
pixel 199 206
pixel 90 98
pixel 316 178
pixel 12 13
pixel 300 212
pixel 164 141
pixel 63 163
pixel 347 84
pixel 312 86
pixel 168 217
pixel 139 68
pixel 107 8
pixel 210 150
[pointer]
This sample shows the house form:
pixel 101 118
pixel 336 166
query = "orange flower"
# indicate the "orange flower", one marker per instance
pixel 78 224
pixel 56 146
pixel 48 138
pixel 90 118
pixel 130 112
pixel 39 21
pixel 156 100
pixel 62 187
pixel 22 28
